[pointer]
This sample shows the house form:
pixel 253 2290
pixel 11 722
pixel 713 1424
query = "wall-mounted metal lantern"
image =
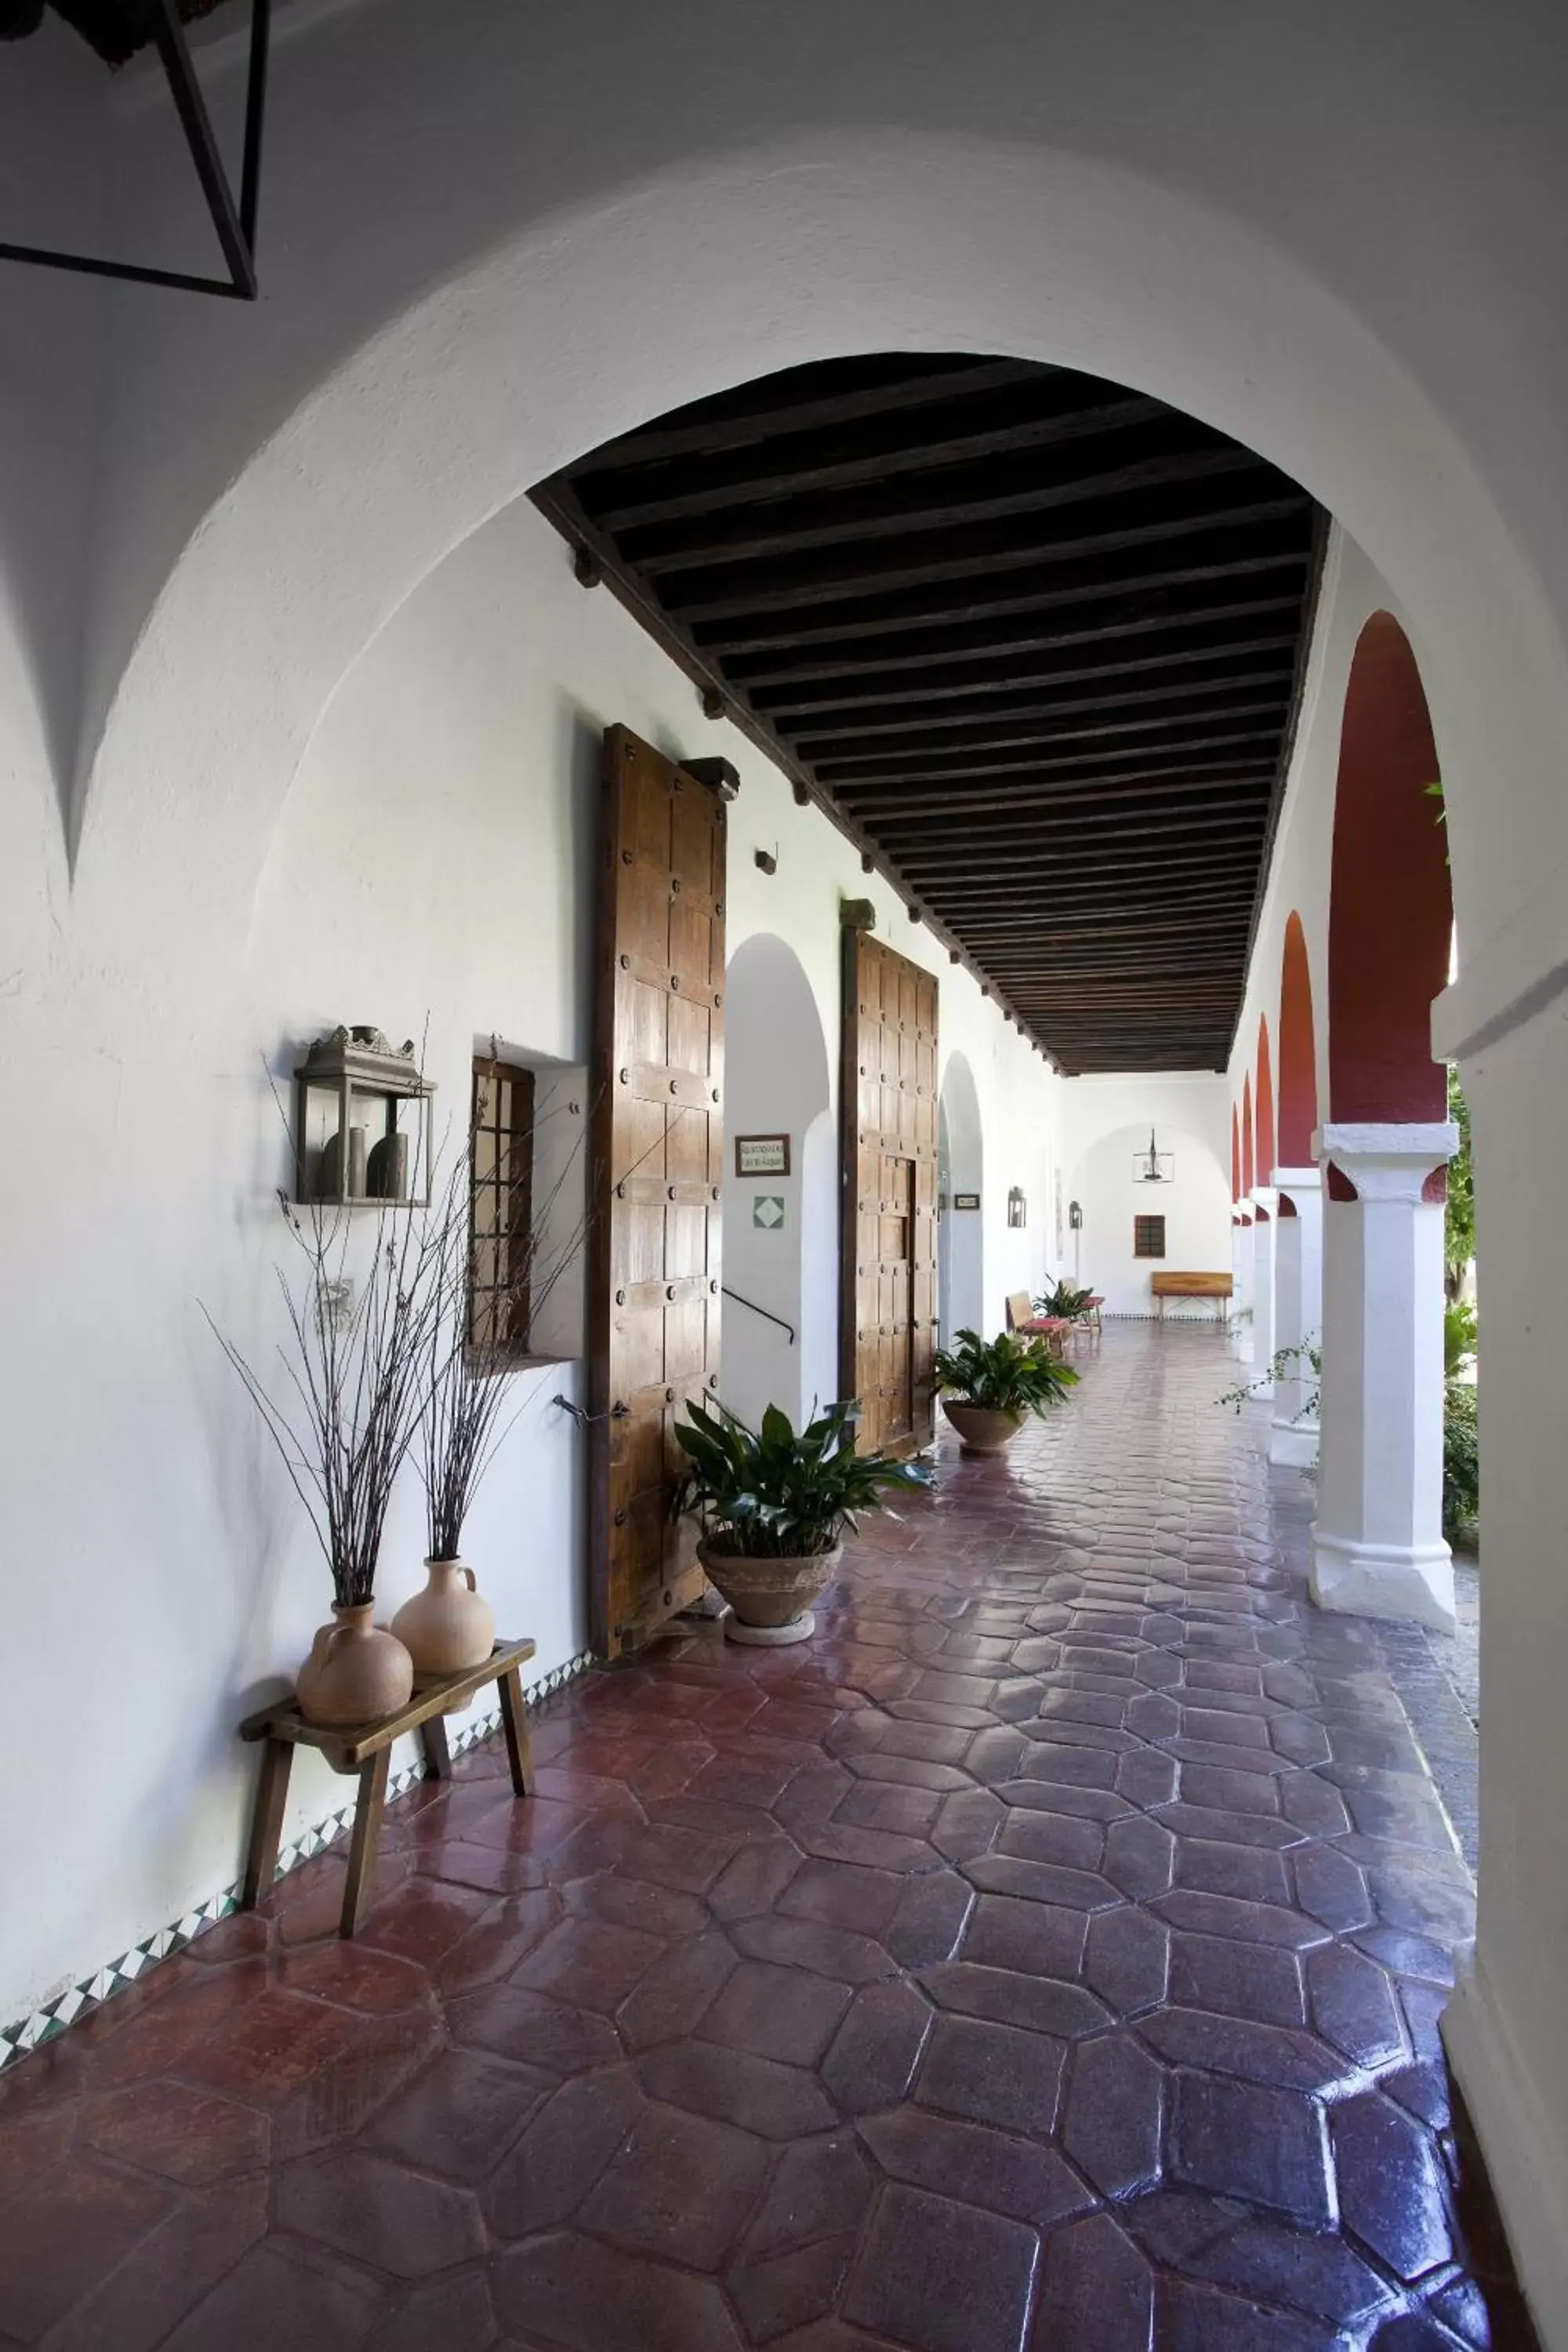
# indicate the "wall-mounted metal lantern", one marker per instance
pixel 362 1122
pixel 1075 1215
pixel 1017 1207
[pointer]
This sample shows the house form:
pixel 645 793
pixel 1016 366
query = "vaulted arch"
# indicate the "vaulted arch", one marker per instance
pixel 1297 1051
pixel 1264 1150
pixel 1247 1162
pixel 1390 910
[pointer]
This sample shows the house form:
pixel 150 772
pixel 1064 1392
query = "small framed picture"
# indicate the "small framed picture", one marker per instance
pixel 762 1155
pixel 966 1200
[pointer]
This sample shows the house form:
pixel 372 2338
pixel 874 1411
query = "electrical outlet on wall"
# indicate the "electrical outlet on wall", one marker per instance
pixel 335 1304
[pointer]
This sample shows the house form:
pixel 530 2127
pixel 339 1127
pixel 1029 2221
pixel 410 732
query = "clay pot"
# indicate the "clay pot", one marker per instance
pixel 448 1626
pixel 767 1596
pixel 981 1428
pixel 356 1673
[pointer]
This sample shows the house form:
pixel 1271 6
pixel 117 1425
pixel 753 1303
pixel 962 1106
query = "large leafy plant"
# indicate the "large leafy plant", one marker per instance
pixel 1064 1301
pixel 772 1494
pixel 1009 1374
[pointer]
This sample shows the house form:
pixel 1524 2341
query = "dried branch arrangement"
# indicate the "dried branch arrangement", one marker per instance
pixel 463 1416
pixel 353 1392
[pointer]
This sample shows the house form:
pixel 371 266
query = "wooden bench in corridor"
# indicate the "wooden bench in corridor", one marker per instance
pixel 366 1750
pixel 1216 1286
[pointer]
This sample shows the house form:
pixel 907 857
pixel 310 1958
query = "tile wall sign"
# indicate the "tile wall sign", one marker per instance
pixel 768 1212
pixel 762 1155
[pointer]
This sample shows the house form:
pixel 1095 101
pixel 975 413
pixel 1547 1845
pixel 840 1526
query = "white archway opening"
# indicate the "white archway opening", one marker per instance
pixel 960 1223
pixel 781 1246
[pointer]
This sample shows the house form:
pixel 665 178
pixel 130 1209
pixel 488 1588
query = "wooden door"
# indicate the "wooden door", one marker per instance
pixel 657 1176
pixel 887 1279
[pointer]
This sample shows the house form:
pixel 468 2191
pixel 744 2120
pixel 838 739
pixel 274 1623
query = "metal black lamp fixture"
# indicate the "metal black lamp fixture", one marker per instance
pixel 116 29
pixel 1153 1166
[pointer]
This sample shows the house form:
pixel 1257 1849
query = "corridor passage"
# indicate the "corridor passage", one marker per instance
pixel 1048 1955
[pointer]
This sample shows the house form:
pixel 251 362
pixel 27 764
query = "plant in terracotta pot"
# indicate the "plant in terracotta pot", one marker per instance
pixel 990 1387
pixel 773 1506
pixel 356 1323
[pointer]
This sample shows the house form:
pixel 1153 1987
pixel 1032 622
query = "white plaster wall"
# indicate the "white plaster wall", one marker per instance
pixel 1195 1206
pixel 1107 1121
pixel 430 872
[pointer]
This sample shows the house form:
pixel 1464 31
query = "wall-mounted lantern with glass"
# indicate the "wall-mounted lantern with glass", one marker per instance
pixel 1017 1208
pixel 362 1122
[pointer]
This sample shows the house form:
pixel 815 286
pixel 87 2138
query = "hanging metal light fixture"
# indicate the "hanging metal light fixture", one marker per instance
pixel 1152 1166
pixel 116 31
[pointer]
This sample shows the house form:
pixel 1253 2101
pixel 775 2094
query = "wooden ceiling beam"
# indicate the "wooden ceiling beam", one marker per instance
pixel 990 553
pixel 873 805
pixel 1238 663
pixel 1069 601
pixel 662 551
pixel 714 490
pixel 1029 848
pixel 648 445
pixel 1010 730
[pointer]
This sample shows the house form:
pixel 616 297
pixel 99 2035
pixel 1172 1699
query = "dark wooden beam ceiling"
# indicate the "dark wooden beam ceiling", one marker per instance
pixel 1033 641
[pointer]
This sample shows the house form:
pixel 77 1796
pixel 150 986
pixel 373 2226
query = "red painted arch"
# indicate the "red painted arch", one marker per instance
pixel 1235 1156
pixel 1390 908
pixel 1297 1052
pixel 1266 1154
pixel 1246 1136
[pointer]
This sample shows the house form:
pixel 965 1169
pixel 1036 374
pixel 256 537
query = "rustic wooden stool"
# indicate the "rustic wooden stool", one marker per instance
pixel 366 1750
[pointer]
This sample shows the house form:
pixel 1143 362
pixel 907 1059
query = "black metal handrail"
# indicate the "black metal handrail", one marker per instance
pixel 766 1313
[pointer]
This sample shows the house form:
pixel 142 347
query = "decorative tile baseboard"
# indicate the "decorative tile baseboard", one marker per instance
pixel 91 1992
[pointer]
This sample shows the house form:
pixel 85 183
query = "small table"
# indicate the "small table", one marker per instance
pixel 366 1750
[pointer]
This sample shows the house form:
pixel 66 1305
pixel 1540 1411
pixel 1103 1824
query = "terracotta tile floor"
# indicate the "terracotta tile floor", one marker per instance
pixel 1049 1954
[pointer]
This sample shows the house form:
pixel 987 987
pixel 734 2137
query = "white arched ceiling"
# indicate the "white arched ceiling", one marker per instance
pixel 961 1233
pixel 777 1082
pixel 595 313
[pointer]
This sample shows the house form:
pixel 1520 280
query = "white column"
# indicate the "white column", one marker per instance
pixel 1265 1209
pixel 1241 1325
pixel 1377 1547
pixel 1298 1314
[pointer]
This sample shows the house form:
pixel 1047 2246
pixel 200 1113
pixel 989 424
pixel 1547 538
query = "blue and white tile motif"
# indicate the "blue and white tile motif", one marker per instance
pixel 93 1991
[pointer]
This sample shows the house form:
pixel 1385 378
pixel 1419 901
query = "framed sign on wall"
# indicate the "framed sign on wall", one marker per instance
pixel 966 1200
pixel 762 1155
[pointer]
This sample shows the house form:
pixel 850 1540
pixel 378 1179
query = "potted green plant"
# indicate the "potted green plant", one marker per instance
pixel 773 1506
pixel 990 1387
pixel 1065 1301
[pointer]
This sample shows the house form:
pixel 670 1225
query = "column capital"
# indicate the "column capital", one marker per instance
pixel 1265 1197
pixel 1386 1161
pixel 1297 1180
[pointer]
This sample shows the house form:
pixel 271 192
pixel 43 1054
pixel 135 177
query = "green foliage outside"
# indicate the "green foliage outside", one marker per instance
pixel 1007 1375
pixel 1459 1223
pixel 769 1493
pixel 1461 1460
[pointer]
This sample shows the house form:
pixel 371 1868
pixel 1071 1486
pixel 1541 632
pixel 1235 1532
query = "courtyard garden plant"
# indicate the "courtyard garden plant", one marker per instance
pixel 773 1504
pixel 989 1387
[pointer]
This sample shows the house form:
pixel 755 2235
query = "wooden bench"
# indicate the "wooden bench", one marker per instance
pixel 1022 1318
pixel 366 1750
pixel 1216 1286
